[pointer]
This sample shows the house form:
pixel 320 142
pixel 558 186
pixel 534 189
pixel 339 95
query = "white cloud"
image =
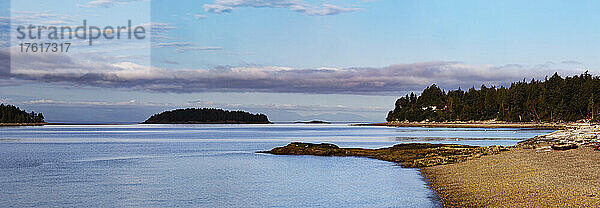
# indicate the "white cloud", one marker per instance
pixel 182 47
pixel 61 69
pixel 47 18
pixel 106 3
pixel 174 44
pixel 197 16
pixel 159 31
pixel 226 6
pixel 288 107
pixel 88 103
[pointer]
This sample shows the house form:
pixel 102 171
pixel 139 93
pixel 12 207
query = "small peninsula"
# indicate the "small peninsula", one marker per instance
pixel 206 116
pixel 408 155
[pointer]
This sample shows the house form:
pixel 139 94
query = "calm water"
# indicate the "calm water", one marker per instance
pixel 215 166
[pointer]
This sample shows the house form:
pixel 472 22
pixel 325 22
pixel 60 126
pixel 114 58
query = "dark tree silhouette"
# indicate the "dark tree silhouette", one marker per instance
pixel 13 114
pixel 553 100
pixel 206 115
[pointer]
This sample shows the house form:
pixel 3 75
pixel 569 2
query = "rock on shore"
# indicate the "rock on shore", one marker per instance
pixel 410 155
pixel 571 138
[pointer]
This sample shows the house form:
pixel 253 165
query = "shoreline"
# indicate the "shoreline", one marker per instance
pixel 552 170
pixel 23 124
pixel 549 126
pixel 556 169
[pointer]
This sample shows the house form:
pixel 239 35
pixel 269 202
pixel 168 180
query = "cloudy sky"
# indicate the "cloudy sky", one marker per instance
pixel 291 59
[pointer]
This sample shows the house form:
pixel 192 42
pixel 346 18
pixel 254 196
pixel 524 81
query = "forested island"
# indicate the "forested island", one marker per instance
pixel 13 114
pixel 206 116
pixel 554 99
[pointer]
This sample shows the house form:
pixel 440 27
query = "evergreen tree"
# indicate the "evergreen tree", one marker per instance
pixel 206 115
pixel 550 100
pixel 13 114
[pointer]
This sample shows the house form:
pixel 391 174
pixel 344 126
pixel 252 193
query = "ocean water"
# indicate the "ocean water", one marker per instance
pixel 215 165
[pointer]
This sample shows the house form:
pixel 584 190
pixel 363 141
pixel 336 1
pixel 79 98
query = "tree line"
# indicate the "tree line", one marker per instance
pixel 13 114
pixel 554 99
pixel 206 115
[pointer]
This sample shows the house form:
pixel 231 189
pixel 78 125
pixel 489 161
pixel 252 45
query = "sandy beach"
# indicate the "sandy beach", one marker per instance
pixel 520 178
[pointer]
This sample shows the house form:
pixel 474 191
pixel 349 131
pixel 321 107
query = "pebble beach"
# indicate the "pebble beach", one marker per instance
pixel 534 173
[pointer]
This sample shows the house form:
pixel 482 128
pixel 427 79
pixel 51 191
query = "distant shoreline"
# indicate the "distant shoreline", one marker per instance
pixel 546 126
pixel 206 123
pixel 23 124
pixel 55 124
pixel 549 126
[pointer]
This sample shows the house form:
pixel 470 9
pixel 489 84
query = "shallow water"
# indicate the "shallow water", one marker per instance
pixel 215 166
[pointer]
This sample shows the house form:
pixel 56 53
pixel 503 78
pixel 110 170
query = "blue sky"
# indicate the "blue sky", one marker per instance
pixel 293 59
pixel 390 32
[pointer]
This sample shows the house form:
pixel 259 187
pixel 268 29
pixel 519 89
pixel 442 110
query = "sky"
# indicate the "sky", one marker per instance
pixel 336 60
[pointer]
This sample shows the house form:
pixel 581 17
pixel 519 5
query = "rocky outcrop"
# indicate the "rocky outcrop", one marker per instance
pixel 417 155
pixel 571 138
pixel 410 155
